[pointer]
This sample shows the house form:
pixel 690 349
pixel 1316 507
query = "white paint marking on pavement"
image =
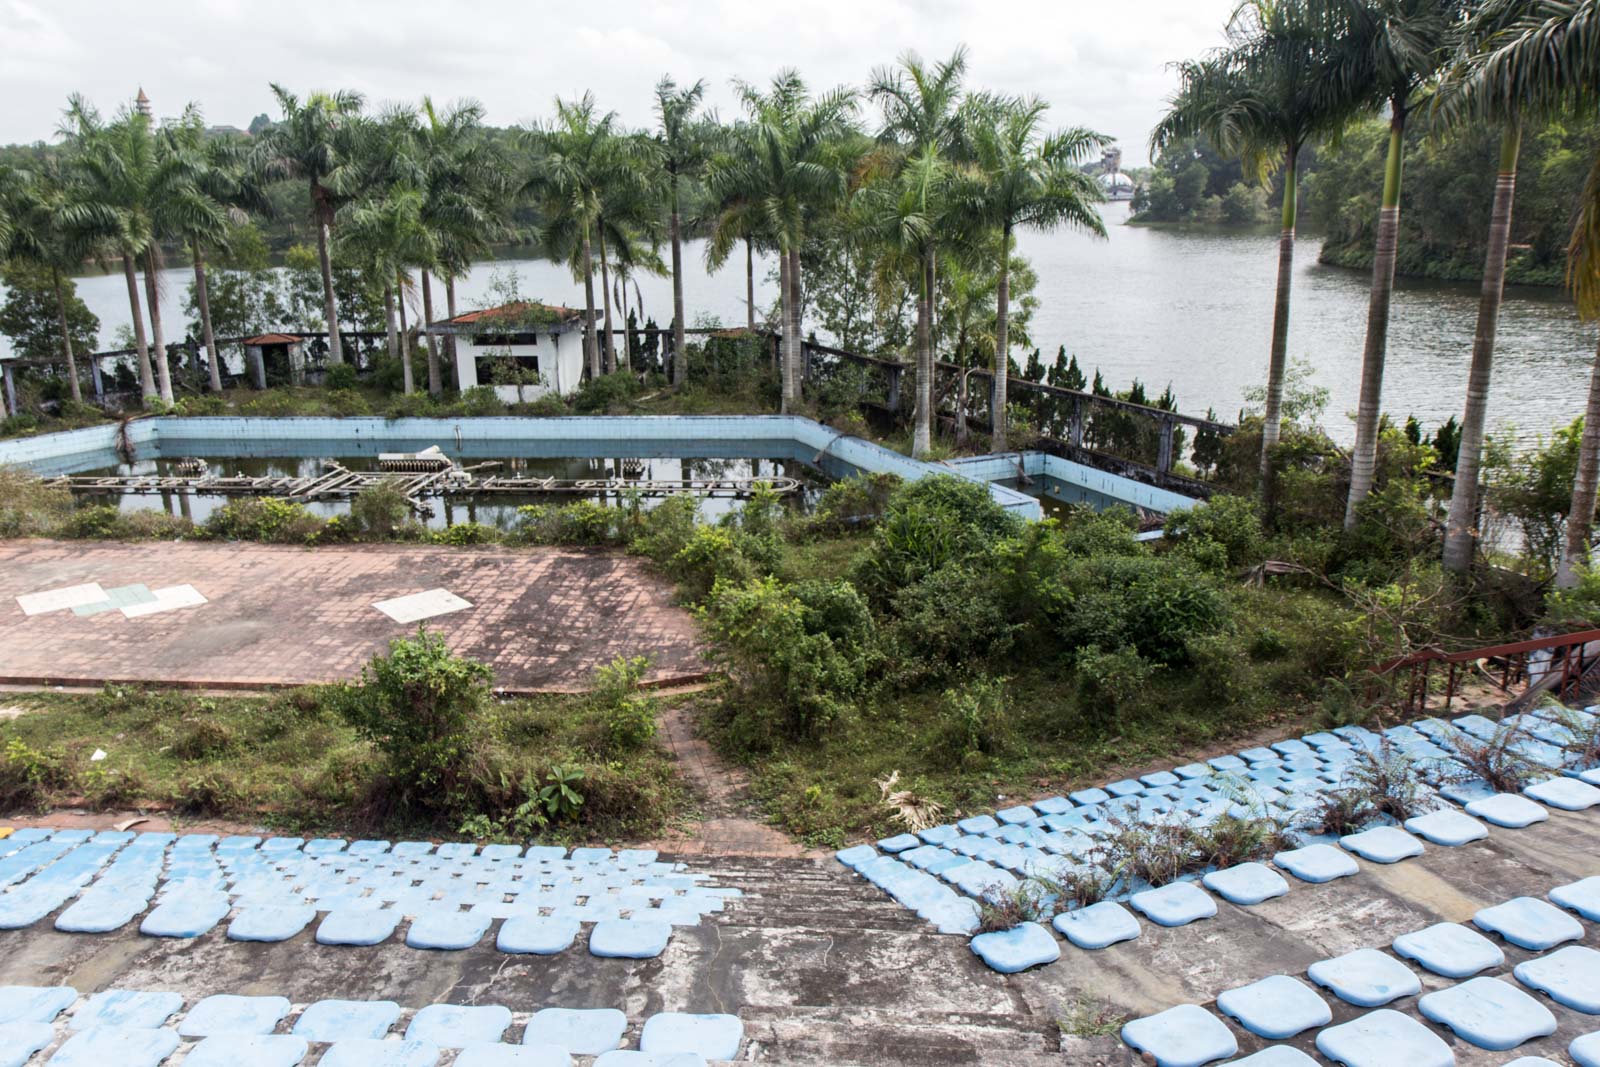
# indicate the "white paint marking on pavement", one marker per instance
pixel 171 598
pixel 419 606
pixel 61 599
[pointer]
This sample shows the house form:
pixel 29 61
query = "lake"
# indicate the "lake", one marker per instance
pixel 1187 306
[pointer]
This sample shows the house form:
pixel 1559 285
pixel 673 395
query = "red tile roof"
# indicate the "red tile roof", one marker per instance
pixel 272 339
pixel 512 311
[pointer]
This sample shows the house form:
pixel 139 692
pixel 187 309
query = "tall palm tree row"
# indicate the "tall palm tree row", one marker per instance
pixel 1282 80
pixel 1024 178
pixel 1397 47
pixel 683 145
pixel 923 128
pixel 313 142
pixel 791 163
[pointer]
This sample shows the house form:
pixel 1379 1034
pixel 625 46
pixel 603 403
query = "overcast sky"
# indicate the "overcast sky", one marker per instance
pixel 1102 65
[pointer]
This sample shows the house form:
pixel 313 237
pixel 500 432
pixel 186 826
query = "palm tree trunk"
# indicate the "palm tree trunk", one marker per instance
pixel 147 385
pixel 1460 529
pixel 330 308
pixel 680 356
pixel 784 358
pixel 1002 347
pixel 627 335
pixel 922 432
pixel 450 339
pixel 1277 360
pixel 405 341
pixel 590 341
pixel 1364 456
pixel 392 330
pixel 749 285
pixel 66 338
pixel 1580 521
pixel 207 336
pixel 158 345
pixel 605 299
pixel 435 382
pixel 796 349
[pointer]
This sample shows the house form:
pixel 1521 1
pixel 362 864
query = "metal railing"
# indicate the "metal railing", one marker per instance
pixel 1546 664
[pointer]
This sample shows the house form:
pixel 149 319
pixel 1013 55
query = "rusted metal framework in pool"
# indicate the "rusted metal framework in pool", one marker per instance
pixel 338 482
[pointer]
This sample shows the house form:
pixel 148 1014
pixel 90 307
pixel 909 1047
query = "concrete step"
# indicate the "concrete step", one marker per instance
pixel 839 1037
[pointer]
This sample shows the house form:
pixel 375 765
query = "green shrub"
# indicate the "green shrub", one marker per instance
pixel 209 792
pixel 1111 681
pixel 952 617
pixel 630 719
pixel 27 508
pixel 465 533
pixel 794 682
pixel 29 776
pixel 583 522
pixel 347 402
pixel 930 523
pixel 203 737
pixel 417 706
pixel 340 376
pixel 19 424
pixel 265 519
pixel 551 405
pixel 857 503
pixel 379 511
pixel 481 400
pixel 1232 523
pixel 974 723
pixel 714 554
pixel 1155 605
pixel 607 394
pixel 662 532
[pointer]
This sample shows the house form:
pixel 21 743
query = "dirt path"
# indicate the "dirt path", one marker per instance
pixel 728 825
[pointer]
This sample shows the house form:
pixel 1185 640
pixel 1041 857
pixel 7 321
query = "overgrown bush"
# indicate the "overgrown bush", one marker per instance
pixel 795 681
pixel 380 510
pixel 951 618
pixel 974 723
pixel 856 503
pixel 630 718
pixel 930 523
pixel 264 519
pixel 27 508
pixel 340 376
pixel 1154 605
pixel 1232 523
pixel 417 706
pixel 1110 682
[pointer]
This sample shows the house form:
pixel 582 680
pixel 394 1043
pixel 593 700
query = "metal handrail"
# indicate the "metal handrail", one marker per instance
pixel 1570 655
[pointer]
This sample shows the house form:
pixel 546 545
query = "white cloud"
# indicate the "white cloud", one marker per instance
pixel 1100 65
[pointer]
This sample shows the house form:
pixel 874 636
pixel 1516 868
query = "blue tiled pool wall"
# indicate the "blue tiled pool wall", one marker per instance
pixel 767 436
pixel 1076 483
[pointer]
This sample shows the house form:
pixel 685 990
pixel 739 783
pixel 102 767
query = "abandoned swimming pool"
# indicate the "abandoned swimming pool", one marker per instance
pixel 605 449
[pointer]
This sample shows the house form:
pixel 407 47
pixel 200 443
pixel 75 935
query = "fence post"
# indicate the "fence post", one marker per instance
pixel 1164 450
pixel 894 390
pixel 1075 423
pixel 10 388
pixel 97 382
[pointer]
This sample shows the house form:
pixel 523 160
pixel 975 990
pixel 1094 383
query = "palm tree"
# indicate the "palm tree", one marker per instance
pixel 682 150
pixel 124 170
pixel 922 117
pixel 387 230
pixel 732 219
pixel 1540 56
pixel 462 202
pixel 792 164
pixel 572 157
pixel 218 168
pixel 1273 87
pixel 45 223
pixel 1398 47
pixel 1026 180
pixel 1498 80
pixel 903 217
pixel 311 143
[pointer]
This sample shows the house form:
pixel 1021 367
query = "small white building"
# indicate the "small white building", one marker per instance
pixel 524 350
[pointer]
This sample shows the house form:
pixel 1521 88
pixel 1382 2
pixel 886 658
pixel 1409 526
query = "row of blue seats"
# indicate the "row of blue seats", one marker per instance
pixel 134 1028
pixel 1489 1012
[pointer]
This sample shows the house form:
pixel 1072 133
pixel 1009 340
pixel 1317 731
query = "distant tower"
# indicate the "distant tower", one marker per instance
pixel 141 103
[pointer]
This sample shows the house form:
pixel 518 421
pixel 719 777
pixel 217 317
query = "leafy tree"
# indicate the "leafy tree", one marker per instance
pixel 31 314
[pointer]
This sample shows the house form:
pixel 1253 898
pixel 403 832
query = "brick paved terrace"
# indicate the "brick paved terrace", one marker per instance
pixel 542 618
